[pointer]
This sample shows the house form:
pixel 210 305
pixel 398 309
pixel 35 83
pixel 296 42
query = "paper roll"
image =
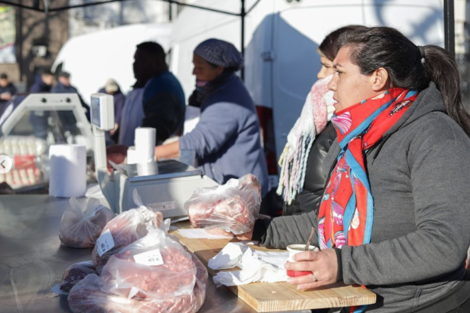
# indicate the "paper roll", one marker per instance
pixel 145 144
pixel 67 170
pixel 131 156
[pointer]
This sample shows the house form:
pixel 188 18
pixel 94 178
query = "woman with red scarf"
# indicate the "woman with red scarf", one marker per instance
pixel 394 216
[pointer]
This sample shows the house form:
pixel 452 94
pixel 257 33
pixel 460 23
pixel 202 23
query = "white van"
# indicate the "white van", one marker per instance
pixel 93 58
pixel 282 37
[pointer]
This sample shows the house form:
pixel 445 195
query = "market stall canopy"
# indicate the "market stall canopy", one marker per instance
pixel 51 5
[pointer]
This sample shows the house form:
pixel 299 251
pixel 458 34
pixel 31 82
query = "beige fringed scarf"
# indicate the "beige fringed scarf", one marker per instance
pixel 316 113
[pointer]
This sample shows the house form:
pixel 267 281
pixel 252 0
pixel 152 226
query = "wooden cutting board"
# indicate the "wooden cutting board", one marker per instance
pixel 273 297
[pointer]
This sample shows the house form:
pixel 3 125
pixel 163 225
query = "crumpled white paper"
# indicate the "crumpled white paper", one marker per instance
pixel 255 265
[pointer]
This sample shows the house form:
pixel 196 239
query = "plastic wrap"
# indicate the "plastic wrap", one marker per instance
pixel 88 296
pixel 123 230
pixel 189 303
pixel 249 182
pixel 152 267
pixel 75 273
pixel 82 223
pixel 232 207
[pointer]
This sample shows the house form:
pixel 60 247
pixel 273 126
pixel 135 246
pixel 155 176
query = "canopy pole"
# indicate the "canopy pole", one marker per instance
pixel 449 26
pixel 242 45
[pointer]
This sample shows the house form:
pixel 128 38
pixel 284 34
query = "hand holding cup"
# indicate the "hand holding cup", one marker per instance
pixel 293 250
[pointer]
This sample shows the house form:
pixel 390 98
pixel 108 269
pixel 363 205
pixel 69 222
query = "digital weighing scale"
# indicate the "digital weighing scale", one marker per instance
pixel 163 185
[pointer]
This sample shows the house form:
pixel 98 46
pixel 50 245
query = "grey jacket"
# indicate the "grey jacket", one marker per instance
pixel 420 178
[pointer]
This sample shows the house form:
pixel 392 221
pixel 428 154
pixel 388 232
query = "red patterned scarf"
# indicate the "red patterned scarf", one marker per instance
pixel 346 211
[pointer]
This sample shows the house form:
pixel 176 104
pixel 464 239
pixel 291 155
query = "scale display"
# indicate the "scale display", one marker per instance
pixel 102 111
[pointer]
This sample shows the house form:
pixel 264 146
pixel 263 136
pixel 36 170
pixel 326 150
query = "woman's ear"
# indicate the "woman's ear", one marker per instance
pixel 220 69
pixel 380 80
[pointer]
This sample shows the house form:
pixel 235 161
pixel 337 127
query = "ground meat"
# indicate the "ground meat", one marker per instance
pixel 232 208
pixel 126 228
pixel 75 273
pixel 87 297
pixel 80 230
pixel 128 276
pixel 230 214
pixel 183 304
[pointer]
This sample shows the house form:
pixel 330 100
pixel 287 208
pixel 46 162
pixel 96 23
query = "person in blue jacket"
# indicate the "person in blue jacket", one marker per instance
pixel 226 141
pixel 67 118
pixel 43 82
pixel 163 102
pixel 64 86
pixel 7 89
pixel 39 119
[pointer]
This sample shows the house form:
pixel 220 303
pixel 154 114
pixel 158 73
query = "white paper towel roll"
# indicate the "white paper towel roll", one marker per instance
pixel 131 156
pixel 145 144
pixel 67 170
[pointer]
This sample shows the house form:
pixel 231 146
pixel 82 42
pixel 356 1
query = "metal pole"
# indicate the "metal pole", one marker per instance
pixel 170 15
pixel 449 26
pixel 242 48
pixel 121 14
pixel 20 39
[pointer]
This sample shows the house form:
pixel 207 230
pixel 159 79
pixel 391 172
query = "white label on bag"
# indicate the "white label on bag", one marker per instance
pixel 149 258
pixel 105 242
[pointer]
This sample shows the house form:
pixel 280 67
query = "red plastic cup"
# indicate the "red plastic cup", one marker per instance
pixel 292 273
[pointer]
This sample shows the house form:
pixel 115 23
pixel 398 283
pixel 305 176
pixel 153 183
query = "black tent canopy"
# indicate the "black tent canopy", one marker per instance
pixel 50 6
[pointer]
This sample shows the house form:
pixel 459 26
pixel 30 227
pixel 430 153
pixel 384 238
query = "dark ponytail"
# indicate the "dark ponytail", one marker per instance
pixel 409 66
pixel 441 68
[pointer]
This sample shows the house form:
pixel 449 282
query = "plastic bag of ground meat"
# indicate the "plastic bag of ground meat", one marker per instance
pixel 250 183
pixel 75 273
pixel 154 266
pixel 83 222
pixel 88 297
pixel 188 303
pixel 123 230
pixel 232 207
